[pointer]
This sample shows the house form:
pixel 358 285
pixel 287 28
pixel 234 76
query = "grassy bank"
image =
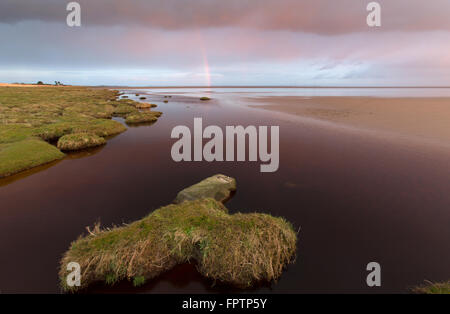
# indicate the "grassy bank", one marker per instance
pixel 434 288
pixel 239 249
pixel 33 118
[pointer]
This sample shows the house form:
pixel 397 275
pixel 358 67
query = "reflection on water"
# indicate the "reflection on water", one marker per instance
pixel 289 91
pixel 356 199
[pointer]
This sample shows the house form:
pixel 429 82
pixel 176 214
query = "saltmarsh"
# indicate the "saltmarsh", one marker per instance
pixel 34 118
pixel 239 249
pixel 433 288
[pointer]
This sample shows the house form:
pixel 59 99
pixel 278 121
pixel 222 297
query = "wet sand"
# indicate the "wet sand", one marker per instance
pixel 420 118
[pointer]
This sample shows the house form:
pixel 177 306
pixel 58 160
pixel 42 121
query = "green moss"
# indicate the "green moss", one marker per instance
pixel 79 141
pixel 22 155
pixel 138 281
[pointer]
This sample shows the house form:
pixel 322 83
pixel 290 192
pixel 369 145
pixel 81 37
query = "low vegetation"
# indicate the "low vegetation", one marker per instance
pixel 433 288
pixel 238 249
pixel 144 105
pixel 79 141
pixel 33 118
pixel 123 110
pixel 26 154
pixel 205 98
pixel 143 117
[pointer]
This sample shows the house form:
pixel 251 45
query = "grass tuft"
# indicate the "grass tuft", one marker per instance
pixel 138 281
pixel 79 141
pixel 144 105
pixel 239 249
pixel 433 288
pixel 143 117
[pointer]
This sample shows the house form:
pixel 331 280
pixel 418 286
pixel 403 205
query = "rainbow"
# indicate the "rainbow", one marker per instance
pixel 205 59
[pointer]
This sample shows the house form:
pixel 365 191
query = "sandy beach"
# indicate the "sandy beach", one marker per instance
pixel 423 118
pixel 19 85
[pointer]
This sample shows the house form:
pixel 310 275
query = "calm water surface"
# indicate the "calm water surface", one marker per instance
pixel 355 198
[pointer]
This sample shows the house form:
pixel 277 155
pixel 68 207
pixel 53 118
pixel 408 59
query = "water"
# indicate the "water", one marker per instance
pixel 227 92
pixel 355 198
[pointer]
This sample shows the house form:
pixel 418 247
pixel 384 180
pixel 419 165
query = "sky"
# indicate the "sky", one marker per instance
pixel 232 43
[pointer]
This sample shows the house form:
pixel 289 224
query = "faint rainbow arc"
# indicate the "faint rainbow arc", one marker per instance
pixel 205 60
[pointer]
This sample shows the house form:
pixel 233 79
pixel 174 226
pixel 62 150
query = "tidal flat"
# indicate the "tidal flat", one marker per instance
pixel 354 198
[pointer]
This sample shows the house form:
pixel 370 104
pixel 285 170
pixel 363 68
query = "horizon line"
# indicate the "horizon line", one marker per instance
pixel 259 86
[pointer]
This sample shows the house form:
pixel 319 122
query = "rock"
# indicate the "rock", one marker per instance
pixel 219 187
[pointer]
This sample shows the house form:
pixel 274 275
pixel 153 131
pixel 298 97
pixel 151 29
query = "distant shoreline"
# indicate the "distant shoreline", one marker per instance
pixel 268 86
pixel 219 86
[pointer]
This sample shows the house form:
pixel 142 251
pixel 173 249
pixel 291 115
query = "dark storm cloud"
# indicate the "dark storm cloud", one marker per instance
pixel 315 16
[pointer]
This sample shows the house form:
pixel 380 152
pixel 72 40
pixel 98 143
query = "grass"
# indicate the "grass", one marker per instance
pixel 138 281
pixel 433 288
pixel 143 117
pixel 124 109
pixel 239 249
pixel 33 117
pixel 26 154
pixel 144 105
pixel 79 141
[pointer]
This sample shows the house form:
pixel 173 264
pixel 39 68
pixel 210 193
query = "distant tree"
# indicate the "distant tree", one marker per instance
pixel 40 83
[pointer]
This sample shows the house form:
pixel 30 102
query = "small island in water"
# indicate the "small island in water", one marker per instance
pixel 237 249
